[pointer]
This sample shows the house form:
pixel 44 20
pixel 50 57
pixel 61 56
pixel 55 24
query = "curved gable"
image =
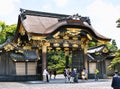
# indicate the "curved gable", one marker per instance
pixel 42 23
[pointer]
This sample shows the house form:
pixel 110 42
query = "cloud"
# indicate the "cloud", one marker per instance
pixel 7 6
pixel 61 3
pixel 103 17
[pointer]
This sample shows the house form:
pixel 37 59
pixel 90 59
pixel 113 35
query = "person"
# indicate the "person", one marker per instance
pixel 68 75
pixel 96 74
pixel 73 75
pixel 116 81
pixel 83 74
pixel 65 75
pixel 76 76
pixel 55 73
pixel 86 73
pixel 45 75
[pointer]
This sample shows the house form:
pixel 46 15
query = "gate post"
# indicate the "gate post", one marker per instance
pixel 85 56
pixel 84 46
pixel 44 57
pixel 67 58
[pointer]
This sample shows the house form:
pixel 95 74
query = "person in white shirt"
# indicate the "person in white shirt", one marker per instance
pixel 45 75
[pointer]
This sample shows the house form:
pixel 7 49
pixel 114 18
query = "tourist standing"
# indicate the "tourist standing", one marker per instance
pixel 84 74
pixel 45 75
pixel 65 75
pixel 73 75
pixel 96 74
pixel 116 81
pixel 55 73
pixel 68 75
pixel 76 76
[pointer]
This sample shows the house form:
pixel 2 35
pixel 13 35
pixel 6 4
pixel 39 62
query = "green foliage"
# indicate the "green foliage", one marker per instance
pixel 56 60
pixel 2 38
pixel 116 61
pixel 91 44
pixel 2 26
pixel 6 31
pixel 112 46
pixel 118 23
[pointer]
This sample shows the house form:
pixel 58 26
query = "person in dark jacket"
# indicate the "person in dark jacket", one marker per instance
pixel 55 73
pixel 72 76
pixel 116 81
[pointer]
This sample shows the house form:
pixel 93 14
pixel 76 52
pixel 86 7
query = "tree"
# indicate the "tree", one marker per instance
pixel 118 23
pixel 112 46
pixel 2 34
pixel 56 60
pixel 115 63
pixel 6 31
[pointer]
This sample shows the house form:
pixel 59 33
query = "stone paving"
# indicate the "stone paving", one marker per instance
pixel 58 83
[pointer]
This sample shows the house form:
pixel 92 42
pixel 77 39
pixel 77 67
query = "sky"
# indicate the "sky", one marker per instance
pixel 102 13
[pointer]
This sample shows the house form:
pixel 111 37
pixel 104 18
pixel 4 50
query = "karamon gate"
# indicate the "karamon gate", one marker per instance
pixel 41 31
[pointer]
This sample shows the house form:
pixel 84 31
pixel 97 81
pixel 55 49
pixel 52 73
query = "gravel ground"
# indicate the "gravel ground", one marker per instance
pixel 58 83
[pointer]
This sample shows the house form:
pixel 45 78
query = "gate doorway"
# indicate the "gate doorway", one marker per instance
pixel 78 60
pixel 61 59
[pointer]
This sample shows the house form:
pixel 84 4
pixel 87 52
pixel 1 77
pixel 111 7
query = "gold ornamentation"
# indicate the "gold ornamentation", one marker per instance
pixel 105 50
pixel 56 44
pixel 75 45
pixel 8 47
pixel 66 44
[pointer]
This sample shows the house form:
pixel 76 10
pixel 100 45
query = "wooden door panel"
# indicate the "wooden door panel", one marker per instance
pixel 78 60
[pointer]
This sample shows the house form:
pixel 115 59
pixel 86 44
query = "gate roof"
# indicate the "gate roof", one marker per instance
pixel 43 23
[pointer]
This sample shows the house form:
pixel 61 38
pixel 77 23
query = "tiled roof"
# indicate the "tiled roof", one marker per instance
pixel 93 56
pixel 95 49
pixel 26 56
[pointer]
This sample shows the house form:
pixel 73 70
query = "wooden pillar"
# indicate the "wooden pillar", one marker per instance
pixel 44 57
pixel 26 67
pixel 67 58
pixel 84 46
pixel 67 62
pixel 85 57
